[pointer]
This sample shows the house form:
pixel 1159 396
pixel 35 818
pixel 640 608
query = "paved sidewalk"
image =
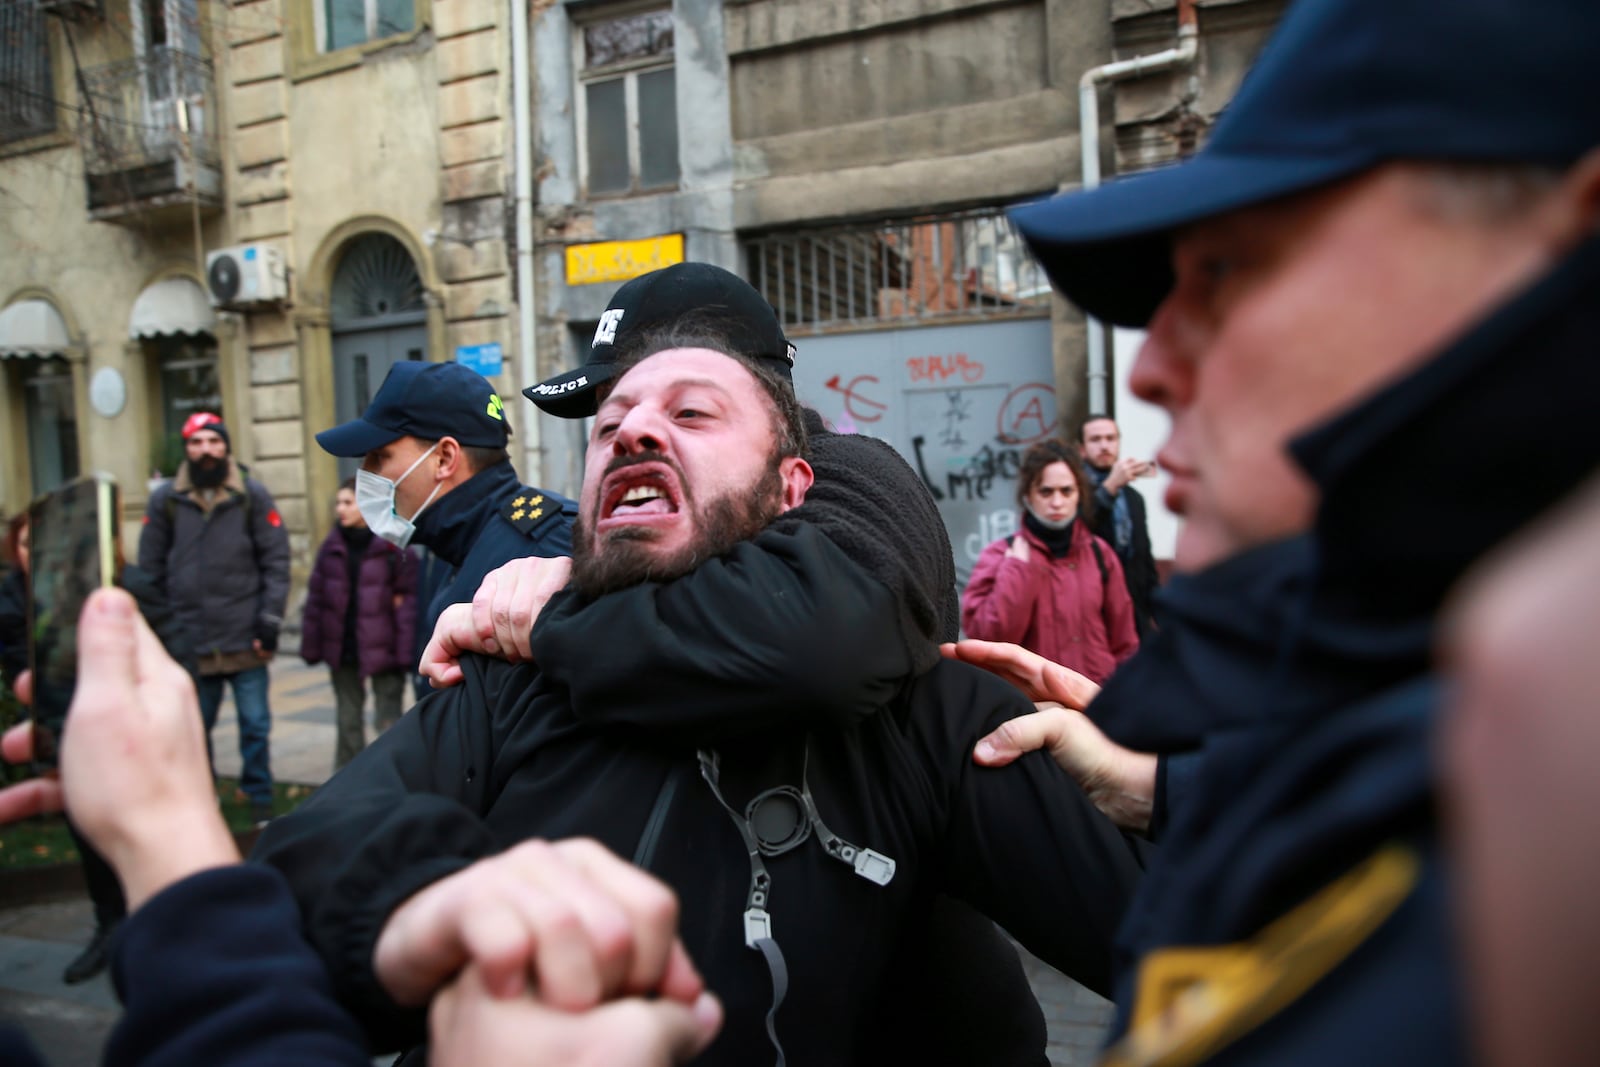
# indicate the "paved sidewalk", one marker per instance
pixel 302 724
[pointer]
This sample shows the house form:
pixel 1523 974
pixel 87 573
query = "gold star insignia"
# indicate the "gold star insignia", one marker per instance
pixel 534 514
pixel 521 500
pixel 516 515
pixel 536 500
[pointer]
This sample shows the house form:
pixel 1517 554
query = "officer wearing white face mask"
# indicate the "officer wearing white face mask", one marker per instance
pixel 435 472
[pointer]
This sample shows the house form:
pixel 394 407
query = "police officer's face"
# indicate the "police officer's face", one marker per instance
pixel 1285 313
pixel 680 465
pixel 393 460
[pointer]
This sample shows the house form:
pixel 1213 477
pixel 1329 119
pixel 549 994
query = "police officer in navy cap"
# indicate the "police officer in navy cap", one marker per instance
pixel 1372 314
pixel 435 471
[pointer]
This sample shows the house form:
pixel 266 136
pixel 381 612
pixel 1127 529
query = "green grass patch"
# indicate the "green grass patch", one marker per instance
pixel 44 841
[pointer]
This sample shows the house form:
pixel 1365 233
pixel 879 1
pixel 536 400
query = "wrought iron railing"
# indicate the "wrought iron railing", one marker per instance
pixel 958 265
pixel 156 108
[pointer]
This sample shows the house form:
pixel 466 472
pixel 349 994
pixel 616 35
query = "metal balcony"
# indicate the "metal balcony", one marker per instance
pixel 149 133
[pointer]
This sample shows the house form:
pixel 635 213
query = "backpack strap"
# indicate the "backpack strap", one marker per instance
pixel 1100 560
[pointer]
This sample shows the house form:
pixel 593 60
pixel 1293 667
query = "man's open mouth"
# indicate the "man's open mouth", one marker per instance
pixel 639 493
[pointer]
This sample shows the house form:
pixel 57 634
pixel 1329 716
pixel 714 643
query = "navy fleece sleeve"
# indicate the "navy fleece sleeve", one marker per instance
pixel 213 970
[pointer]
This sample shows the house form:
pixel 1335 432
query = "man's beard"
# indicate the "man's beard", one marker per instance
pixel 626 558
pixel 208 472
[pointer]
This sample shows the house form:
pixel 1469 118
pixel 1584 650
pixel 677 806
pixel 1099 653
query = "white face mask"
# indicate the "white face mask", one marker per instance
pixel 375 500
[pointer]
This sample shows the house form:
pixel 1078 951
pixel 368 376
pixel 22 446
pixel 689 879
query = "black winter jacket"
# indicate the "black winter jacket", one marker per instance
pixel 595 746
pixel 225 571
pixel 472 530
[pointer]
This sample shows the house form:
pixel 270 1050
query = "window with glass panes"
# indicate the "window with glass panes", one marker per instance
pixel 351 22
pixel 628 103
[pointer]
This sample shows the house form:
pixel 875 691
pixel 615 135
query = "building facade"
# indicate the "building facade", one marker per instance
pixel 356 164
pixel 251 207
pixel 853 161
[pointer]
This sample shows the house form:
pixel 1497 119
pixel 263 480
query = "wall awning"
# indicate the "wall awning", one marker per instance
pixel 170 306
pixel 33 328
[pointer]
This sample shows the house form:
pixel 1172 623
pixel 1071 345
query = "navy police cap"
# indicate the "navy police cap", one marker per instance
pixel 1343 85
pixel 426 400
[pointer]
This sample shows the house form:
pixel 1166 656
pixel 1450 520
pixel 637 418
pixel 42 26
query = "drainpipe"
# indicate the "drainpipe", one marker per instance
pixel 1089 139
pixel 532 466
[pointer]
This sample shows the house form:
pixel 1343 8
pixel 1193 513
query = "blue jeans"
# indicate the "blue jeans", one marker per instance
pixel 255 724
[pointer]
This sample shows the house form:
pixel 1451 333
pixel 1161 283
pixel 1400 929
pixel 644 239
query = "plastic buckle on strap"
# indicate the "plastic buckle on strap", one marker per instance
pixel 757 926
pixel 874 866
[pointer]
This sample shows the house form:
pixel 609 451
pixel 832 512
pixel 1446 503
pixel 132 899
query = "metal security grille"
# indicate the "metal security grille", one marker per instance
pixel 967 265
pixel 27 90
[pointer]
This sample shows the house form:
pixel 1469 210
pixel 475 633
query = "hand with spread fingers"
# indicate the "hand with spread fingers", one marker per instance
pixel 1119 781
pixel 499 619
pixel 1040 678
pixel 469 1025
pixel 567 917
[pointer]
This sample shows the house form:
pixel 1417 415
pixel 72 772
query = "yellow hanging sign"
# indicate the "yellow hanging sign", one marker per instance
pixel 617 261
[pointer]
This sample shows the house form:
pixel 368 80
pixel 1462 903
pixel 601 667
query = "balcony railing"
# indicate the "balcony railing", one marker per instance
pixel 149 132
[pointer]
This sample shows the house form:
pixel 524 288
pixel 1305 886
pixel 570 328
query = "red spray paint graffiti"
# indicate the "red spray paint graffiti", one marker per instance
pixel 870 410
pixel 944 368
pixel 1028 414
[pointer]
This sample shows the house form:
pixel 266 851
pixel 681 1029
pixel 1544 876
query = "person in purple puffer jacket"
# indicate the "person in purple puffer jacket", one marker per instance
pixel 361 620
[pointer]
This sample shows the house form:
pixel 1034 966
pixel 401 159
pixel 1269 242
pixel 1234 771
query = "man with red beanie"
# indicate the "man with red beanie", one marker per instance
pixel 215 544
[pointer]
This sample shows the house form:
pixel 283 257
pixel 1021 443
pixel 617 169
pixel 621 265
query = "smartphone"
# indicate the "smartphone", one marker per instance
pixel 73 550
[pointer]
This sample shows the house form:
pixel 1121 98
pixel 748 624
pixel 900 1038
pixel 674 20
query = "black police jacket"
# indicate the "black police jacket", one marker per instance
pixel 486 522
pixel 596 746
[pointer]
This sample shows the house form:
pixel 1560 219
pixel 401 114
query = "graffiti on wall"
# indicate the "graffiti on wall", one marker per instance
pixel 857 397
pixel 967 444
pixel 960 403
pixel 937 370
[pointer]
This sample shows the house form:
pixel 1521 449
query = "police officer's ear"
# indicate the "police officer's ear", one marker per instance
pixel 1573 215
pixel 452 460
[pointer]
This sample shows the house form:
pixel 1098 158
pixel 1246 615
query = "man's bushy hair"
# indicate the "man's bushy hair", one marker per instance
pixel 708 330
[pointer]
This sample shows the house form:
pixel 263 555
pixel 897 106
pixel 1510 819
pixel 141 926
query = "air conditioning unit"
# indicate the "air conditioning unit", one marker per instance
pixel 246 274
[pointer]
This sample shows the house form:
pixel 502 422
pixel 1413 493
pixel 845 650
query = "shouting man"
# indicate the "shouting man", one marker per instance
pixel 800 830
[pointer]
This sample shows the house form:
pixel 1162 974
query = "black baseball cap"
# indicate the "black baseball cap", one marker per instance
pixel 661 298
pixel 1342 86
pixel 426 400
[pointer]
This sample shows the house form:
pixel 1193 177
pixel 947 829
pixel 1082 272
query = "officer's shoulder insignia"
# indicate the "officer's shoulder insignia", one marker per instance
pixel 529 509
pixel 1192 1002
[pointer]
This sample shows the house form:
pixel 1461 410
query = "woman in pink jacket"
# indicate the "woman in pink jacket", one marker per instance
pixel 1053 587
